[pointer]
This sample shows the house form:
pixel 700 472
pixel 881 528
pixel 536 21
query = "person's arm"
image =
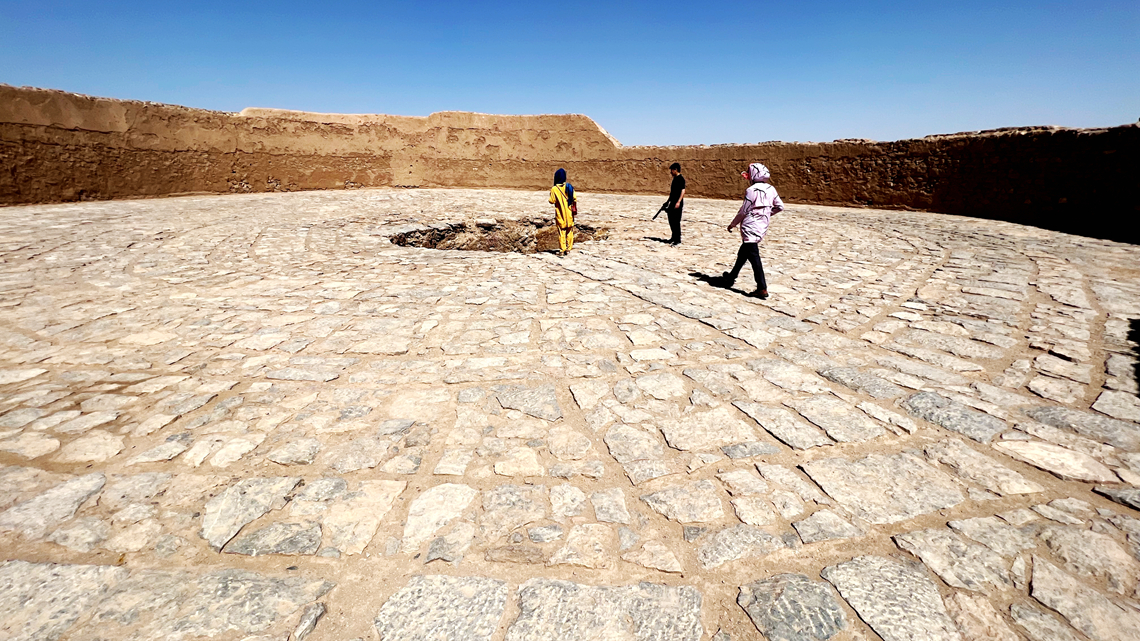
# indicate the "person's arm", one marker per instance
pixel 679 199
pixel 777 205
pixel 745 207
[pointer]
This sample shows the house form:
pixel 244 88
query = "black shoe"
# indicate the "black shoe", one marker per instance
pixel 762 294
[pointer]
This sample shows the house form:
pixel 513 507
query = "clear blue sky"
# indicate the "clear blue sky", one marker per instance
pixel 666 72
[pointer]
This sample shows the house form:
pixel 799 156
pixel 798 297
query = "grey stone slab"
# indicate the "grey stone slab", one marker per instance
pixel 862 382
pixel 41 601
pixel 737 542
pixel 841 421
pixel 539 402
pixel 452 546
pixel 959 563
pixel 1102 429
pixel 792 607
pixel 278 538
pixel 740 482
pixel 1093 554
pixel 323 489
pixel 300 451
pixel 441 608
pixel 82 535
pixel 995 534
pixel 825 525
pixel 177 605
pixel 35 517
pixel 576 612
pixel 695 502
pixel 588 545
pixel 898 601
pixel 432 510
pixel 1084 608
pixel 642 471
pixel 627 443
pixel 609 506
pixel 309 618
pixel 1129 496
pixel 706 431
pixel 973 466
pixel 545 533
pixel 749 450
pixel 228 512
pixel 885 489
pixel 1062 462
pixel 785 425
pixel 954 416
pixel 789 479
pixel 1039 626
pixel 977 618
pixel 509 507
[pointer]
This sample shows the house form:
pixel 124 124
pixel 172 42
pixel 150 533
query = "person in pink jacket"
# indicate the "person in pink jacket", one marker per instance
pixel 761 202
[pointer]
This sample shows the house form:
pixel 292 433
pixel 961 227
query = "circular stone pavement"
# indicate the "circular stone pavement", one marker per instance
pixel 255 416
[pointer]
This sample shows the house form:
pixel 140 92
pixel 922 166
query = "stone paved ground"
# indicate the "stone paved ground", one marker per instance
pixel 251 417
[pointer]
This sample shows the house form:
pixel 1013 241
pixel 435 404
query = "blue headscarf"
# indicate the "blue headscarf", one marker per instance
pixel 559 178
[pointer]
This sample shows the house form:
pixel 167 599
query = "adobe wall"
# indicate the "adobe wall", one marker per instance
pixel 56 146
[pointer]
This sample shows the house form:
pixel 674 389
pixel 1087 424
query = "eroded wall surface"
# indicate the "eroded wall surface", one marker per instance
pixel 56 146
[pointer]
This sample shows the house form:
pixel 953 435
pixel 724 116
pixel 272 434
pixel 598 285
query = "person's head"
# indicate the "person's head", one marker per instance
pixel 675 169
pixel 559 176
pixel 756 173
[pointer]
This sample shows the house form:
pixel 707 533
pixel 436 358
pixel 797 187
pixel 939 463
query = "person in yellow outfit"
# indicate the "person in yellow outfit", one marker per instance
pixel 565 206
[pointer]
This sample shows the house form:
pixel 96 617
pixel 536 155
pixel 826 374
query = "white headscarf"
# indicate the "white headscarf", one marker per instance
pixel 758 173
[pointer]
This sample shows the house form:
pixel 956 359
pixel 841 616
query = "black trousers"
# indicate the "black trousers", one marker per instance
pixel 675 222
pixel 749 252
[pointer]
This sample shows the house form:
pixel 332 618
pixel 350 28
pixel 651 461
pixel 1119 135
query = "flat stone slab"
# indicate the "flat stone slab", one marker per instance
pixel 696 502
pixel 792 607
pixel 1099 428
pixel 784 425
pixel 539 402
pixel 898 601
pixel 240 504
pixel 959 563
pixel 1085 609
pixel 975 467
pixel 37 516
pixel 954 416
pixel 1064 463
pixel 841 421
pixel 443 607
pixel 41 601
pixel 707 431
pixel 576 612
pixel 885 489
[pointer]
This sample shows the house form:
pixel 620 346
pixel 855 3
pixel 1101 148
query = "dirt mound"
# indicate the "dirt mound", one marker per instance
pixel 523 237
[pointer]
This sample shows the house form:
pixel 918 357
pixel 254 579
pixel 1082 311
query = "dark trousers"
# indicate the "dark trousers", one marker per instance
pixel 749 252
pixel 675 223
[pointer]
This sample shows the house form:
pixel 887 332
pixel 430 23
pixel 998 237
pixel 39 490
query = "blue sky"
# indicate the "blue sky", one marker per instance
pixel 666 72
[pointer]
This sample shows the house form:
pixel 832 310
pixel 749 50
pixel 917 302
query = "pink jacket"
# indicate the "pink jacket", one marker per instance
pixel 761 202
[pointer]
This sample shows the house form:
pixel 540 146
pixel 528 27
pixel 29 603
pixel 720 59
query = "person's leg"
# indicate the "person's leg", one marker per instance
pixel 675 225
pixel 569 239
pixel 741 258
pixel 562 239
pixel 757 266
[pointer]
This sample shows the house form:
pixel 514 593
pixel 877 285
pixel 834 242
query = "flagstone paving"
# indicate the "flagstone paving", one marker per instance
pixel 255 417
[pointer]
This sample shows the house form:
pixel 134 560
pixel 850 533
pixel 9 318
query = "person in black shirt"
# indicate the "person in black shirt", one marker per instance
pixel 676 203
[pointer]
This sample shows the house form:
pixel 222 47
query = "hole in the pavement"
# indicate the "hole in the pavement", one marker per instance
pixel 524 237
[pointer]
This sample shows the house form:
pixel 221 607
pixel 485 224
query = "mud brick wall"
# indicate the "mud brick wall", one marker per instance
pixel 58 147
